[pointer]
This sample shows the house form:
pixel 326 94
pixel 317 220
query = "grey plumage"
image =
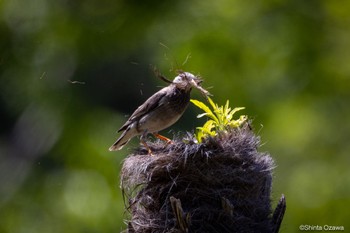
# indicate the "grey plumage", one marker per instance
pixel 161 110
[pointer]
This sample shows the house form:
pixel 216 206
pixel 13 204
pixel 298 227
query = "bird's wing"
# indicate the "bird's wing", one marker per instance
pixel 150 104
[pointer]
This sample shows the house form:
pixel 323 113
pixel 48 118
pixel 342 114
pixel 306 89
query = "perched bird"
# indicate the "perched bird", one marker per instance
pixel 160 111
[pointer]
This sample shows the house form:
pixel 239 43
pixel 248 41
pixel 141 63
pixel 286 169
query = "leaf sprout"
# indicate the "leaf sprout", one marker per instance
pixel 219 119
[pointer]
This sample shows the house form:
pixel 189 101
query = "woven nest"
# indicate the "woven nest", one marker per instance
pixel 220 185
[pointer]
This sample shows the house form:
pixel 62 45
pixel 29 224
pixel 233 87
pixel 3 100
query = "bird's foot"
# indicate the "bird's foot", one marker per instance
pixel 161 137
pixel 147 148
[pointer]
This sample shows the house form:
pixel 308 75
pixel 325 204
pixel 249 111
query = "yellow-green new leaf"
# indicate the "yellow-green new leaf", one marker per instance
pixel 202 106
pixel 205 108
pixel 213 105
pixel 230 115
pixel 221 118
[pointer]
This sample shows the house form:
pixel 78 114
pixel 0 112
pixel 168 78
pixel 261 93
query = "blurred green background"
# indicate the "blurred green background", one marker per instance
pixel 71 71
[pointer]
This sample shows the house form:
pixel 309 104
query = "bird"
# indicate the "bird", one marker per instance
pixel 160 111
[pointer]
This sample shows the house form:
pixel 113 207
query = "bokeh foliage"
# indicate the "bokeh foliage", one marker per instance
pixel 71 70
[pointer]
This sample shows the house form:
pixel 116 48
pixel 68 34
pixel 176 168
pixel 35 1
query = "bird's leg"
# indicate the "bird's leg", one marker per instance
pixel 144 143
pixel 147 147
pixel 161 137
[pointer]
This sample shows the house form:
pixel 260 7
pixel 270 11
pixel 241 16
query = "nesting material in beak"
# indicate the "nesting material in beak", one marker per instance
pixel 196 84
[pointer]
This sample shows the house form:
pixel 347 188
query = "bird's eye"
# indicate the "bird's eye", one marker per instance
pixel 178 79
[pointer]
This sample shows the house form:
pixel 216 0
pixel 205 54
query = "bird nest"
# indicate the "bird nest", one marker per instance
pixel 220 185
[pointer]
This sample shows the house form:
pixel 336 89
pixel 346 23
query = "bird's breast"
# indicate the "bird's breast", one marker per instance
pixel 178 100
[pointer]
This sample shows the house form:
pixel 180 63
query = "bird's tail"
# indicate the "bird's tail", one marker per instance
pixel 122 141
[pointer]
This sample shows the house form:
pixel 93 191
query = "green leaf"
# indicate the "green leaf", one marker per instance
pixel 236 110
pixel 220 118
pixel 202 106
pixel 208 126
pixel 213 105
pixel 205 108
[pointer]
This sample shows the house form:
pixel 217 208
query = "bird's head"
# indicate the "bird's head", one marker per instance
pixel 186 81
